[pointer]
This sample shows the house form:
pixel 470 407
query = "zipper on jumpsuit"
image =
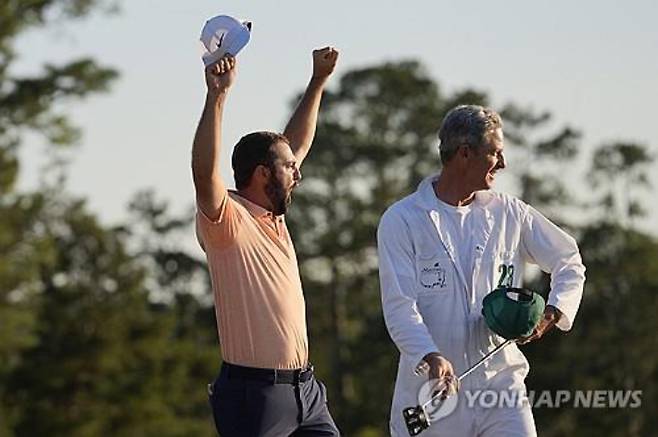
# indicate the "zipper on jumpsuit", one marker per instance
pixel 466 301
pixel 468 296
pixel 481 240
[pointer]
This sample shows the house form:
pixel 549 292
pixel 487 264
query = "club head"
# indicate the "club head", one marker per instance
pixel 415 419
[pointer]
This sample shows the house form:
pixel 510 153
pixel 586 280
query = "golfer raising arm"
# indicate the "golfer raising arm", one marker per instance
pixel 266 385
pixel 445 247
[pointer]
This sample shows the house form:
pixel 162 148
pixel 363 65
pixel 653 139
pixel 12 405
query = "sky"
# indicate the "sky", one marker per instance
pixel 592 64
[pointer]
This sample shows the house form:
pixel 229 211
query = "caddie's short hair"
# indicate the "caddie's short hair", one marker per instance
pixel 252 150
pixel 466 125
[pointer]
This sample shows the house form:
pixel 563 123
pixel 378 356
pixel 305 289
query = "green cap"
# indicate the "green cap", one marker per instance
pixel 512 312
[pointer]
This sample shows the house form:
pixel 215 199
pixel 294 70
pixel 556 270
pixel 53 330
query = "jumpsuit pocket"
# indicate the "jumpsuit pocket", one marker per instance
pixel 434 274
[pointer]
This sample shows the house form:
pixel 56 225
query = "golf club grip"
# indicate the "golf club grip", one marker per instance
pixel 471 369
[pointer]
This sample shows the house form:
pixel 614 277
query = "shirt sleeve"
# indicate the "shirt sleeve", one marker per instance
pixel 221 232
pixel 555 252
pixel 397 281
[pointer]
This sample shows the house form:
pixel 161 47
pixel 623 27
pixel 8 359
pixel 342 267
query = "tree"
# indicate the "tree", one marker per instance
pixel 376 140
pixel 608 348
pixel 110 331
pixel 106 359
pixel 540 158
pixel 84 348
pixel 618 170
pixel 26 103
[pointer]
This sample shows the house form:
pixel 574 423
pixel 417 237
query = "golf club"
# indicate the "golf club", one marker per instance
pixel 417 419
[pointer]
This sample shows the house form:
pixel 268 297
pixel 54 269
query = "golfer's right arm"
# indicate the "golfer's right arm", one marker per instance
pixel 397 281
pixel 211 192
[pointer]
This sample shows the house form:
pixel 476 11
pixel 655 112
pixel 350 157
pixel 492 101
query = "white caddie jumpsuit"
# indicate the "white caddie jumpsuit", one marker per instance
pixel 428 306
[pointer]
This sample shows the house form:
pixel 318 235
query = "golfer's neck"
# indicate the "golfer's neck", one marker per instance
pixel 257 196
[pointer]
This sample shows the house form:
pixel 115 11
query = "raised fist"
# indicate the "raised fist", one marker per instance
pixel 221 74
pixel 324 61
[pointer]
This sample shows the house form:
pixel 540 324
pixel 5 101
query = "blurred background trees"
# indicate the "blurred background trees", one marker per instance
pixel 88 344
pixel 110 330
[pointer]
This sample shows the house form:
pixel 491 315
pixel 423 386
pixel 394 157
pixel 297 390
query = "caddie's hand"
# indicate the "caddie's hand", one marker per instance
pixel 324 62
pixel 221 74
pixel 551 316
pixel 441 370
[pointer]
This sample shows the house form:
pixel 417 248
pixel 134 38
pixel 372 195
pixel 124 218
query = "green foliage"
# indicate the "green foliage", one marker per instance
pixel 609 348
pixel 158 237
pixel 616 173
pixel 111 331
pixel 85 350
pixel 375 142
pixel 17 16
pixel 23 250
pixel 540 158
pixel 102 358
pixel 27 103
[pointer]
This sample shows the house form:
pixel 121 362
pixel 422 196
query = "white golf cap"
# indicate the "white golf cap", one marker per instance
pixel 223 34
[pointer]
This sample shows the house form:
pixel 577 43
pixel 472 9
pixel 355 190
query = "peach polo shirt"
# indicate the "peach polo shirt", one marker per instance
pixel 259 304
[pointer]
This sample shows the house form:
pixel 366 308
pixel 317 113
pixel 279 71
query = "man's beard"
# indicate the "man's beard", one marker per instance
pixel 277 195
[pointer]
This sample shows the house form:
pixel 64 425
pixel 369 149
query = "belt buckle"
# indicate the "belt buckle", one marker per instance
pixel 307 371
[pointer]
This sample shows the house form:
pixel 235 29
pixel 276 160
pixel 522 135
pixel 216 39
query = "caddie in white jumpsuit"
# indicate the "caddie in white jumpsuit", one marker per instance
pixel 441 250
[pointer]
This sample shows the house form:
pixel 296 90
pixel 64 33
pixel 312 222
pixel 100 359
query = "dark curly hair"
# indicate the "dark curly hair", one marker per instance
pixel 252 150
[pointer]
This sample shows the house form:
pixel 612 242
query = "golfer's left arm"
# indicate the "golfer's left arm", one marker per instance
pixel 555 252
pixel 300 130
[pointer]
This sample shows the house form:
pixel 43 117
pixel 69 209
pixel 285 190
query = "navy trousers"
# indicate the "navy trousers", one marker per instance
pixel 250 405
